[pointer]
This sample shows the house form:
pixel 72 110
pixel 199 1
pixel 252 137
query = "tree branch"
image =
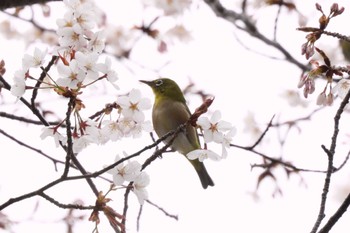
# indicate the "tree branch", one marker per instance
pixel 4 4
pixel 251 29
pixel 330 169
pixel 55 161
pixel 65 206
pixel 337 215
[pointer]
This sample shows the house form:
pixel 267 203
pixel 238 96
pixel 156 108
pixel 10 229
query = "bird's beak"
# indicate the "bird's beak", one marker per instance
pixel 149 83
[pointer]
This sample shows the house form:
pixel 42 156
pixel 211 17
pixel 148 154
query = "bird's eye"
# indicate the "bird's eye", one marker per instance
pixel 159 82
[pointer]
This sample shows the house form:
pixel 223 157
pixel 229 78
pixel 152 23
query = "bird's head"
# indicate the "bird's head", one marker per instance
pixel 165 88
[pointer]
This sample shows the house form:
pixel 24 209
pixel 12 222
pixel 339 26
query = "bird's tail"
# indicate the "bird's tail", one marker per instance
pixel 202 173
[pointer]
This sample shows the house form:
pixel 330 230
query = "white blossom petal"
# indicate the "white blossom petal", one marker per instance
pixel 202 155
pixel 140 184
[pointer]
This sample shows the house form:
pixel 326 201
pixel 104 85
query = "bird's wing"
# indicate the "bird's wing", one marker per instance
pixel 168 116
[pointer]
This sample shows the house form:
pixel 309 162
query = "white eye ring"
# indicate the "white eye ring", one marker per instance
pixel 159 82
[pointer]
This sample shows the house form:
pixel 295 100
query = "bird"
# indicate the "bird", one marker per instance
pixel 169 112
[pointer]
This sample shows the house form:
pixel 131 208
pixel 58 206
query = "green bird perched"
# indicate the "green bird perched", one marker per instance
pixel 169 112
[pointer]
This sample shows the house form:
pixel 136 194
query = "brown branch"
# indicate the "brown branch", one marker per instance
pixel 341 210
pixel 70 156
pixel 64 206
pixel 33 22
pixel 280 161
pixel 276 160
pixel 4 4
pixel 293 122
pixel 26 120
pixel 30 194
pixel 250 28
pixel 337 215
pixel 164 211
pixel 107 108
pixel 7 86
pixel 336 35
pixel 55 161
pixel 138 218
pixel 85 176
pixel 276 22
pixel 330 169
pixel 41 78
pixel 262 135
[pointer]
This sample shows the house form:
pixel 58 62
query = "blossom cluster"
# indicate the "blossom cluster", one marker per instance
pixel 327 70
pixel 130 122
pixel 78 67
pixel 326 97
pixel 78 51
pixel 214 130
pixel 131 172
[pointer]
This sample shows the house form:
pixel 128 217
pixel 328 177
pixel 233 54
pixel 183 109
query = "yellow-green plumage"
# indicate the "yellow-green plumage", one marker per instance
pixel 169 112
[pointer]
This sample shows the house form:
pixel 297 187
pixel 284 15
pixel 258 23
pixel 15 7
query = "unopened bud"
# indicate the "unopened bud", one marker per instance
pixel 318 7
pixel 335 10
pixel 302 81
pixel 321 99
pixel 330 99
pixel 334 7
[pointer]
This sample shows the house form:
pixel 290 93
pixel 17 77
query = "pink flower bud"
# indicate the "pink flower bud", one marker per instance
pixel 321 99
pixel 329 100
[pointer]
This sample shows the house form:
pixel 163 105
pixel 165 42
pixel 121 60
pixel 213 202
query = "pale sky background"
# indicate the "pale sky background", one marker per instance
pixel 241 82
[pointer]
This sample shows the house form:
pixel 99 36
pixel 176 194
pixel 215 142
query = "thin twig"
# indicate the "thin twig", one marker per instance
pixel 26 120
pixel 31 20
pixel 138 218
pixel 65 206
pixel 293 122
pixel 30 194
pixel 262 135
pixel 250 28
pixel 164 211
pixel 55 161
pixel 7 86
pixel 41 78
pixel 276 22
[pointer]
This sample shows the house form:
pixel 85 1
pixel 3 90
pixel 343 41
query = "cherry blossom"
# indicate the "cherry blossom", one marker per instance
pixel 19 86
pixel 128 172
pixel 52 132
pixel 35 60
pixel 68 37
pixel 88 63
pixel 106 68
pixel 202 155
pixel 227 139
pixel 342 88
pixel 213 128
pixel 139 187
pixel 133 105
pixel 112 129
pixel 72 75
pixel 81 143
pixel 97 42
